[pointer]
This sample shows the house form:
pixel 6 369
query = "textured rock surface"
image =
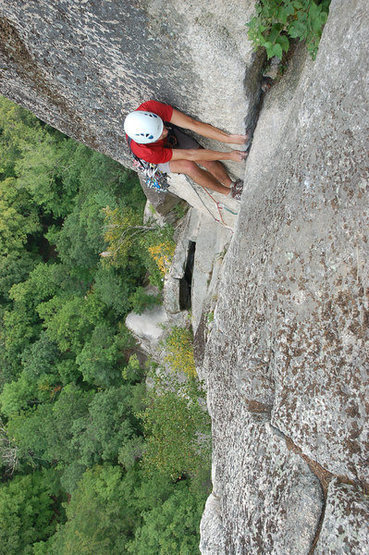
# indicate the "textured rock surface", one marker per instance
pixel 81 65
pixel 290 335
pixel 211 241
pixel 346 521
pixel 151 329
pixel 147 327
pixel 280 502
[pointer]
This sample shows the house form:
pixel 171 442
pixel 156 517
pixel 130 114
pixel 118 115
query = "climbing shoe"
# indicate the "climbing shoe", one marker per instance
pixel 236 189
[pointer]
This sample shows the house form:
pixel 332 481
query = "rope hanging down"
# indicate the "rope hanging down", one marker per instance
pixel 219 206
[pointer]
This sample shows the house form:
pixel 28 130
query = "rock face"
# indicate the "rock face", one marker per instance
pixel 196 265
pixel 280 502
pixel 346 521
pixel 285 358
pixel 147 327
pixel 81 66
pixel 290 336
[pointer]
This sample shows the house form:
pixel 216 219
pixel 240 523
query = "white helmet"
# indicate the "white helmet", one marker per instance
pixel 143 127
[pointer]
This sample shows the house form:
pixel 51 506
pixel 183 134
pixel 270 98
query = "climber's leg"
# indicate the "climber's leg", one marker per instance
pixel 219 172
pixel 202 177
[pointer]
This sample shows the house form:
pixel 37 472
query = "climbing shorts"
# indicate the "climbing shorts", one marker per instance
pixel 183 141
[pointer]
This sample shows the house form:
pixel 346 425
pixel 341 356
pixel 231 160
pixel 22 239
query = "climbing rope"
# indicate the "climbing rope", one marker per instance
pixel 218 204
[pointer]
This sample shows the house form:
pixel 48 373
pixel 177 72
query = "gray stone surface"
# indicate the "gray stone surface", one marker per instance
pixel 211 241
pixel 187 232
pixel 290 335
pixel 212 528
pixel 147 327
pixel 346 521
pixel 81 65
pixel 152 327
pixel 265 499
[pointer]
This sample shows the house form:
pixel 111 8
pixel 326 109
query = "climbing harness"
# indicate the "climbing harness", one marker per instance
pixel 153 177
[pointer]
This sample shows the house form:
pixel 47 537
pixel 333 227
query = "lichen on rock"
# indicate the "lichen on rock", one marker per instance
pixel 291 332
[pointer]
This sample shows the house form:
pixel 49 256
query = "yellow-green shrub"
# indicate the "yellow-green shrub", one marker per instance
pixel 179 349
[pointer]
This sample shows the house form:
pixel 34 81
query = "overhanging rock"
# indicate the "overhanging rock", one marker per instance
pixel 81 66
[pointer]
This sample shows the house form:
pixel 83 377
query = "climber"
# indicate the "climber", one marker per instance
pixel 156 138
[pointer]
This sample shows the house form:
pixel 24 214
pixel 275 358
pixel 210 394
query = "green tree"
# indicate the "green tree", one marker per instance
pixel 16 127
pixel 39 359
pixel 176 428
pixel 278 21
pixel 17 395
pixel 141 300
pixel 70 320
pixel 20 328
pixel 101 516
pixel 14 268
pixel 44 433
pixel 115 287
pixel 18 218
pixel 99 357
pixel 39 380
pixel 109 426
pixel 74 392
pixel 172 526
pixel 29 510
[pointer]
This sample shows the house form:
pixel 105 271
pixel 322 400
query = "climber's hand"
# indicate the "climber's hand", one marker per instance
pixel 237 139
pixel 237 155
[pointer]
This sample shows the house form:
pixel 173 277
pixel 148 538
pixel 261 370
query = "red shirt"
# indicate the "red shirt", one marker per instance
pixel 155 153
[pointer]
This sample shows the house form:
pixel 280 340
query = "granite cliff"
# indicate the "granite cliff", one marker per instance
pixel 286 363
pixel 285 359
pixel 81 65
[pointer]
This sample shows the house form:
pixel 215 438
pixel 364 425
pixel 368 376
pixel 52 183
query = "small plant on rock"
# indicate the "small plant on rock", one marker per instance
pixel 179 349
pixel 278 21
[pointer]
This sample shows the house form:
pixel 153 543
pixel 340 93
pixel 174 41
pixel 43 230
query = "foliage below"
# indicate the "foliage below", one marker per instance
pixel 179 351
pixel 28 510
pixel 78 429
pixel 154 244
pixel 177 428
pixel 278 21
pixel 183 511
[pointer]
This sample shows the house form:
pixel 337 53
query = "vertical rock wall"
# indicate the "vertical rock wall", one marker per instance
pixel 287 363
pixel 81 65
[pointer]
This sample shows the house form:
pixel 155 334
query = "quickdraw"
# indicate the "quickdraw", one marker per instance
pixel 154 178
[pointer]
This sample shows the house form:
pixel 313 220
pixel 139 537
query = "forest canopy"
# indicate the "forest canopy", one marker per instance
pixel 79 431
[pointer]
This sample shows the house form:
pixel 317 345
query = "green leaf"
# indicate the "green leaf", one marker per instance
pixel 313 11
pixel 277 51
pixel 289 9
pixel 284 42
pixel 316 25
pixel 297 30
pixel 274 34
pixel 323 18
pixel 282 15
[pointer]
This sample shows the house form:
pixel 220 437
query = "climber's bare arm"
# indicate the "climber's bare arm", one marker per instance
pixel 202 154
pixel 206 130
